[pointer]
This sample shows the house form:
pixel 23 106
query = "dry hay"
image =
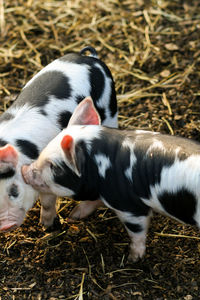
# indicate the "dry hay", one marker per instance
pixel 153 51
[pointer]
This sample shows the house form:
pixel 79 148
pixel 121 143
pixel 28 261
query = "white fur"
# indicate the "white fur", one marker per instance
pixel 103 164
pixel 129 171
pixel 29 124
pixel 53 152
pixel 12 210
pixel 129 217
pixel 138 239
pixel 57 189
pixel 74 72
pixel 86 133
pixel 28 120
pixel 78 76
pixel 137 245
pixel 111 121
pixel 182 174
pixel 55 106
pixel 156 144
pixel 140 131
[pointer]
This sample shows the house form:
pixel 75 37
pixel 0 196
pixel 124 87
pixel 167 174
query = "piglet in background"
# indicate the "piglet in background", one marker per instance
pixel 132 172
pixel 39 113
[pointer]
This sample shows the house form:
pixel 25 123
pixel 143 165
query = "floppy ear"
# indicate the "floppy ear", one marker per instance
pixel 85 114
pixel 8 159
pixel 8 154
pixel 67 145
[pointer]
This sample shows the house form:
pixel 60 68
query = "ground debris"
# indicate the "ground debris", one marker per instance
pixel 153 50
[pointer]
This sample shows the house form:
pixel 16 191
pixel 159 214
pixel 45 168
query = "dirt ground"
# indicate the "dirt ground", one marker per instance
pixel 153 51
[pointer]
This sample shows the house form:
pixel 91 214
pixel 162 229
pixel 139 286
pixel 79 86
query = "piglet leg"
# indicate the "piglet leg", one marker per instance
pixel 136 227
pixel 48 209
pixel 137 245
pixel 84 209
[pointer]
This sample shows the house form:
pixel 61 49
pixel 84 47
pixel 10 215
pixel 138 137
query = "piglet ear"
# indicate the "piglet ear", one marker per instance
pixel 8 154
pixel 69 151
pixel 8 161
pixel 66 143
pixel 85 114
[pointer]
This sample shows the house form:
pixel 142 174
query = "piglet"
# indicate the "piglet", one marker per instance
pixel 40 112
pixel 131 172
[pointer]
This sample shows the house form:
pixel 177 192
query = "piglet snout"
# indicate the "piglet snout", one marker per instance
pixel 32 176
pixel 25 170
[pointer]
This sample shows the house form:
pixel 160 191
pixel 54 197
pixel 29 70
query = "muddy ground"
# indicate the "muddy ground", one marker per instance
pixel 153 51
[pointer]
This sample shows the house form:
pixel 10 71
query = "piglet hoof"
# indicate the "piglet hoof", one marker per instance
pixel 84 209
pixel 76 213
pixel 47 217
pixel 133 258
pixel 56 226
pixel 135 255
pixel 47 221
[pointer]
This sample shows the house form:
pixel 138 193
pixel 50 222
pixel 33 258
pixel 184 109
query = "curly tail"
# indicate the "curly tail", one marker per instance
pixel 90 49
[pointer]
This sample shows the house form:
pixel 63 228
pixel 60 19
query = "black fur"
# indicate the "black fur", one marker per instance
pixel 181 205
pixel 7 173
pixel 91 62
pixel 97 82
pixel 113 103
pixel 13 192
pixel 28 148
pixel 3 142
pixel 52 83
pixel 136 228
pixel 124 194
pixel 63 119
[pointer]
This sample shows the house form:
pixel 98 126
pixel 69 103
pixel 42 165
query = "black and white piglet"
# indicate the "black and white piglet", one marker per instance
pixel 39 113
pixel 132 172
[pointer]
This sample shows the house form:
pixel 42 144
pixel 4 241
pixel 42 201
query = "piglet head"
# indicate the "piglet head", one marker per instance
pixel 15 198
pixel 84 114
pixel 52 167
pixel 58 167
pixel 32 175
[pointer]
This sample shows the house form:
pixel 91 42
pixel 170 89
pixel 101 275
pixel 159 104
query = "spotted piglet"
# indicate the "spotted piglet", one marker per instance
pixel 132 172
pixel 40 112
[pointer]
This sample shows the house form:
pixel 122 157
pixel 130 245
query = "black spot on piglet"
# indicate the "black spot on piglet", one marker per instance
pixel 3 143
pixel 6 172
pixel 28 148
pixel 63 119
pixel 181 205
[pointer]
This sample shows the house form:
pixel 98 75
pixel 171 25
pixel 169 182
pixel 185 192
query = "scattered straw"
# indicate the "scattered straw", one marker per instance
pixel 152 50
pixel 177 236
pixel 80 297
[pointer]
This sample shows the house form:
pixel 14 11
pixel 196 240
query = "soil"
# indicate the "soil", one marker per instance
pixel 153 51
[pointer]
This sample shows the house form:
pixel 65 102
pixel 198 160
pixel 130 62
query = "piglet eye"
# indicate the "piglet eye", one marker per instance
pixel 56 169
pixel 13 191
pixel 51 166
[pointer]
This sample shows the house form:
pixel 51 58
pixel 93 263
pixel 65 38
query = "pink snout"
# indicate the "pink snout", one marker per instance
pixel 25 173
pixel 32 176
pixel 11 217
